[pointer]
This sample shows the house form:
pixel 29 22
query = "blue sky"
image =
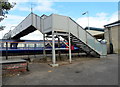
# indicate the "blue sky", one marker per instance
pixel 100 13
pixel 73 9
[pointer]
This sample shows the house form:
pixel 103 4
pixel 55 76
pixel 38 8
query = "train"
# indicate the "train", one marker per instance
pixel 25 47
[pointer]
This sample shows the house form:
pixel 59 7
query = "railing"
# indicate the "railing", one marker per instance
pixel 87 38
pixel 23 25
pixel 31 19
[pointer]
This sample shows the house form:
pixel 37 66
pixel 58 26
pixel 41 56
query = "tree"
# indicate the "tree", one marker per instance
pixel 5 6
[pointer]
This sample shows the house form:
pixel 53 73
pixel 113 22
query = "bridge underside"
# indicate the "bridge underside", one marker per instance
pixel 24 32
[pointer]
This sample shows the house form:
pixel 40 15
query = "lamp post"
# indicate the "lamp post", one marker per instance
pixel 88 23
pixel 87 17
pixel 32 7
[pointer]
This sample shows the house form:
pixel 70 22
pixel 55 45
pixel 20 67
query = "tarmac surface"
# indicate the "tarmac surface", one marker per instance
pixel 82 71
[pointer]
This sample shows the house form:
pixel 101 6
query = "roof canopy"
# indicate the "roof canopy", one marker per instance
pixel 113 24
pixel 95 29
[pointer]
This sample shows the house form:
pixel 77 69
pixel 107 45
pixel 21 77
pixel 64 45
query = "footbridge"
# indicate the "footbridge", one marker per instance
pixel 61 27
pixel 31 23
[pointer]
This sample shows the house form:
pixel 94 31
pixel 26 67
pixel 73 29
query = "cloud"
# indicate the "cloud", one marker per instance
pixel 38 5
pixel 69 0
pixel 18 4
pixel 36 35
pixel 44 6
pixel 10 22
pixel 113 18
pixel 102 14
pixel 24 8
pixel 99 20
pixel 19 1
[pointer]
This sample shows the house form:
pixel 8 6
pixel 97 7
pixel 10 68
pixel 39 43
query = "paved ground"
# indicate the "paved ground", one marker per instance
pixel 83 71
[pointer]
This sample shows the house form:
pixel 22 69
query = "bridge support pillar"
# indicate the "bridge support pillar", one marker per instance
pixel 70 59
pixel 44 52
pixel 53 51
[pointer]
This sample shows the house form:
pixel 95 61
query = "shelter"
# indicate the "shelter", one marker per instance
pixel 98 33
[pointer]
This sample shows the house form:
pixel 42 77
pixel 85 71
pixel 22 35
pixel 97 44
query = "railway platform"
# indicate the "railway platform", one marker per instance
pixel 13 66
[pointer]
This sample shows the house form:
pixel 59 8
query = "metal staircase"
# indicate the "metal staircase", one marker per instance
pixel 84 47
pixel 78 43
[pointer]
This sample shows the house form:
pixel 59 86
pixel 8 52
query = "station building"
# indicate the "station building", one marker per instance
pixel 111 35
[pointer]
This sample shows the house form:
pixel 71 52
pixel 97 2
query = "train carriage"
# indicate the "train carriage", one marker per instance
pixel 25 47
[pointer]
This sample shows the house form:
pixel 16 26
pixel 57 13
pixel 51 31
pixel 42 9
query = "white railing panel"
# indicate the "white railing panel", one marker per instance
pixel 60 23
pixel 90 41
pixel 34 20
pixel 73 27
pixel 38 23
pixel 82 34
pixel 47 24
pixel 94 44
pixel 104 49
pixel 23 25
pixel 98 46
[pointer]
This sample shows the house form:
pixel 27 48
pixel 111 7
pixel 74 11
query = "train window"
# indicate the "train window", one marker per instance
pixel 20 45
pixel 40 45
pixel 37 45
pixel 4 44
pixel 29 45
pixel 8 44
